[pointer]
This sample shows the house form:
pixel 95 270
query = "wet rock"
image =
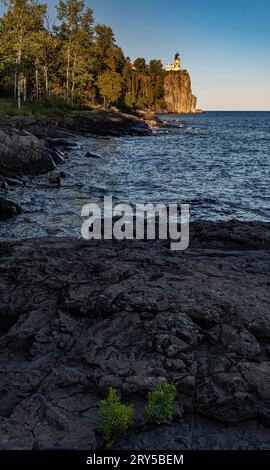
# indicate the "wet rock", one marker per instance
pixel 139 129
pixel 63 174
pixel 58 156
pixel 6 182
pixel 91 155
pixel 105 123
pixel 63 143
pixel 21 153
pixel 8 208
pixel 3 184
pixel 63 133
pixel 55 179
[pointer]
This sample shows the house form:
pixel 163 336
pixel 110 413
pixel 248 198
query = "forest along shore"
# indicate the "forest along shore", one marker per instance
pixel 77 317
pixel 32 146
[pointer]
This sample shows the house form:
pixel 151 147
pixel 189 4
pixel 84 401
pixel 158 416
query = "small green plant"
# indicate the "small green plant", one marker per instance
pixel 116 418
pixel 160 405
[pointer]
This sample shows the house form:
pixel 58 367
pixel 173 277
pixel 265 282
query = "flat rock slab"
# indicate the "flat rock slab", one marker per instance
pixel 77 317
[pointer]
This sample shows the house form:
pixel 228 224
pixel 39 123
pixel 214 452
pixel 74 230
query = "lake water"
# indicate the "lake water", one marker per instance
pixel 218 162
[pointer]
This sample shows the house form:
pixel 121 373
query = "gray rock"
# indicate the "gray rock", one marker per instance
pixel 63 143
pixel 91 155
pixel 78 317
pixel 21 153
pixel 58 156
pixel 8 208
pixel 55 179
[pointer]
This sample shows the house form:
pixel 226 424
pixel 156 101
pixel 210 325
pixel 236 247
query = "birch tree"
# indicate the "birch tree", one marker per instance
pixel 22 19
pixel 48 56
pixel 76 32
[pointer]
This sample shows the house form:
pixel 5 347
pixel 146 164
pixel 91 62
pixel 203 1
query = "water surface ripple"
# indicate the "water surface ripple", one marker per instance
pixel 219 162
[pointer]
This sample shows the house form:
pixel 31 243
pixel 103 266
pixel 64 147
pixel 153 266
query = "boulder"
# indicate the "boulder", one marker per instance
pixel 55 179
pixel 105 123
pixel 91 155
pixel 8 208
pixel 63 143
pixel 22 153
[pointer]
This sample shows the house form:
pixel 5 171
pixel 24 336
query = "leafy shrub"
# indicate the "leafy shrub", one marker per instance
pixel 160 405
pixel 52 106
pixel 116 418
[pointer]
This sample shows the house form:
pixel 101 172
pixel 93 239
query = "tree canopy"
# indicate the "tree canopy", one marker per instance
pixel 69 56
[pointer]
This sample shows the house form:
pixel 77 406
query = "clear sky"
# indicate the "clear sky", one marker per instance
pixel 225 45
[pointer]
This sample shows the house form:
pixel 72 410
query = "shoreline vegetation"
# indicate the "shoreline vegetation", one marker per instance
pixel 78 318
pixel 67 61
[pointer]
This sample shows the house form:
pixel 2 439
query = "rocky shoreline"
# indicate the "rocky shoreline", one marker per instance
pixel 77 317
pixel 31 146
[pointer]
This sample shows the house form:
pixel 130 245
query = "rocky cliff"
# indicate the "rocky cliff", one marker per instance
pixel 178 93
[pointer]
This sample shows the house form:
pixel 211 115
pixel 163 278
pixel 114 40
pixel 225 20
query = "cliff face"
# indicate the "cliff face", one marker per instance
pixel 178 93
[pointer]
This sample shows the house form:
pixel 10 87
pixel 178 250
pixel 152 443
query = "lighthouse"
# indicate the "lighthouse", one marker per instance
pixel 176 66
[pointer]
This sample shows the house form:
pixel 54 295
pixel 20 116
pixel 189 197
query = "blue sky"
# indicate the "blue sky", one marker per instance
pixel 225 45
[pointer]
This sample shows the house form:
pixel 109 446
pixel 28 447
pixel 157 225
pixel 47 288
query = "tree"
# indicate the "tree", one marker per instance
pixel 114 59
pixel 76 33
pixel 47 54
pixel 140 64
pixel 71 57
pixel 155 68
pixel 104 42
pixel 110 86
pixel 19 25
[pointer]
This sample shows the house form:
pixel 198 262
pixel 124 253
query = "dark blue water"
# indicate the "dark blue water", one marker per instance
pixel 219 162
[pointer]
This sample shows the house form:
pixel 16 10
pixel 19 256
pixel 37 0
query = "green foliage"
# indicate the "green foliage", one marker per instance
pixel 110 86
pixel 76 32
pixel 49 107
pixel 116 418
pixel 140 64
pixel 72 58
pixel 155 68
pixel 19 27
pixel 160 405
pixel 7 108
